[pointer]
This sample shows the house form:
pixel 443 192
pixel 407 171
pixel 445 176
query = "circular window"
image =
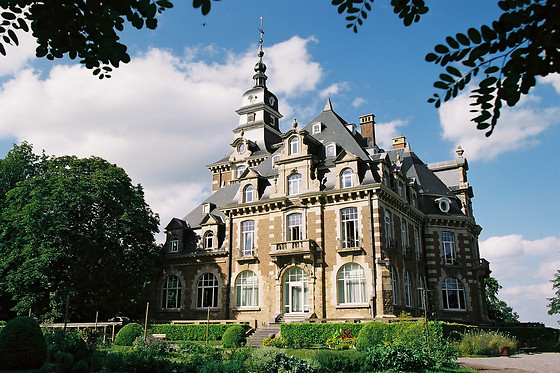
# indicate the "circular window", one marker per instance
pixel 241 147
pixel 444 204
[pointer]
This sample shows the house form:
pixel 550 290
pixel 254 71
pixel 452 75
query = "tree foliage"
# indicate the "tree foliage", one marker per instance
pixel 498 310
pixel 78 228
pixel 78 29
pixel 554 302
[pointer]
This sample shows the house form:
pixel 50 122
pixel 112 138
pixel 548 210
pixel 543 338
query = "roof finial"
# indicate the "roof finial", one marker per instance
pixel 328 105
pixel 459 151
pixel 260 67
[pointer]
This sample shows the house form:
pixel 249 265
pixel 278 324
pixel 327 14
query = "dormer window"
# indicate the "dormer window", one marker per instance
pixel 249 194
pixel 275 160
pixel 347 178
pixel 174 245
pixel 294 184
pixel 294 145
pixel 241 148
pixel 206 208
pixel 331 150
pixel 239 171
pixel 208 241
pixel 316 128
pixel 444 204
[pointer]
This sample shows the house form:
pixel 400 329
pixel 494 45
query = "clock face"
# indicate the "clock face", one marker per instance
pixel 252 98
pixel 271 101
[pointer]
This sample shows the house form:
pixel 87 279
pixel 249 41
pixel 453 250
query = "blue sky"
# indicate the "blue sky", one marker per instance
pixel 171 110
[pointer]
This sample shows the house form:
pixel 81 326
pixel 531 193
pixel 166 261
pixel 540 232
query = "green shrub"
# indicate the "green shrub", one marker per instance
pixel 3 323
pixel 371 335
pixel 192 332
pixel 127 335
pixel 66 350
pixel 544 339
pixel 152 346
pixel 273 360
pixel 234 336
pixel 338 361
pixel 484 343
pixel 398 358
pixel 22 345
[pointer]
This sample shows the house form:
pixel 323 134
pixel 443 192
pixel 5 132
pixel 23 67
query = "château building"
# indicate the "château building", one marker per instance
pixel 318 221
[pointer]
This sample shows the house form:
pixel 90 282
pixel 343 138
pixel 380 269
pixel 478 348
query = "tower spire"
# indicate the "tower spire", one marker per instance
pixel 260 67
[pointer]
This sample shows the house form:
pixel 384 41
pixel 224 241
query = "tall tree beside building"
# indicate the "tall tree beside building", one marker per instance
pixel 78 228
pixel 498 310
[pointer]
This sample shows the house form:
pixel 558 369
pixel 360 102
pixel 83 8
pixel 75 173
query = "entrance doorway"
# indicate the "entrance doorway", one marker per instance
pixel 295 291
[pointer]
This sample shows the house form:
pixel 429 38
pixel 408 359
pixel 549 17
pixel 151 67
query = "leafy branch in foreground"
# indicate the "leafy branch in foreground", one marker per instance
pixel 84 29
pixel 357 11
pixel 523 44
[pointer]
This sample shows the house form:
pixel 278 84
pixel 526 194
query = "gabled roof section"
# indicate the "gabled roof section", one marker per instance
pixel 221 197
pixel 176 223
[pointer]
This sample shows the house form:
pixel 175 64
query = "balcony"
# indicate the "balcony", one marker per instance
pixel 305 247
pixel 247 255
pixel 350 245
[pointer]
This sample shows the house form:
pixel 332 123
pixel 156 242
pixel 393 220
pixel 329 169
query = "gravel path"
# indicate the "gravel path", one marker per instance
pixel 522 363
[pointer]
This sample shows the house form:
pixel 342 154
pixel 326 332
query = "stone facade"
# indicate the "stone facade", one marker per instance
pixel 320 222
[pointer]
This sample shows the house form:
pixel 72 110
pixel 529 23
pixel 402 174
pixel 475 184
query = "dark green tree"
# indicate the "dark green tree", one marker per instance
pixel 498 310
pixel 554 302
pixel 77 229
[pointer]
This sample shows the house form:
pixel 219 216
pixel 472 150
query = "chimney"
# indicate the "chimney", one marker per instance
pixel 399 142
pixel 367 128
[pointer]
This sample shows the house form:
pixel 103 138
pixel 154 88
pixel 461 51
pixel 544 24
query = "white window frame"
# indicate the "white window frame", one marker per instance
pixel 330 151
pixel 388 229
pixel 347 178
pixel 247 237
pixel 417 246
pixel 453 292
pixel 208 240
pixel 316 128
pixel 394 285
pixel 247 289
pixel 407 289
pixel 249 194
pixel 294 145
pixel 421 287
pixel 294 184
pixel 174 244
pixel 207 287
pixel 449 250
pixel 349 227
pixel 404 235
pixel 239 171
pixel 171 292
pixel 294 227
pixel 351 282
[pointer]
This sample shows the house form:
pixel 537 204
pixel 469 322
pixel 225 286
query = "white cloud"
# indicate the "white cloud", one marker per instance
pixel 553 79
pixel 518 127
pixel 358 101
pixel 160 117
pixel 524 268
pixel 17 56
pixel 333 89
pixel 385 132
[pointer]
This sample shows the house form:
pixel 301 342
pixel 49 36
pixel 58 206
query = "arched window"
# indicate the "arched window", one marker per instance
pixel 407 290
pixel 294 145
pixel 421 290
pixel 207 291
pixel 351 284
pixel 417 247
pixel 247 289
pixel 247 237
pixel 453 294
pixel 331 150
pixel 349 228
pixel 249 194
pixel 294 227
pixel 208 240
pixel 394 286
pixel 171 297
pixel 174 244
pixel 347 178
pixel 294 184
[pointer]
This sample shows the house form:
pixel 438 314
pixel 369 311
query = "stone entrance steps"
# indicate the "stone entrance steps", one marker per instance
pixel 262 332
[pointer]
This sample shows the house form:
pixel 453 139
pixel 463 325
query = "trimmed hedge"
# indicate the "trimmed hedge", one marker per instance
pixel 22 344
pixel 307 334
pixel 127 335
pixel 192 332
pixel 234 336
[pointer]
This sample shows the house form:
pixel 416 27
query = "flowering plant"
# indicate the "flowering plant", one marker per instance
pixel 342 339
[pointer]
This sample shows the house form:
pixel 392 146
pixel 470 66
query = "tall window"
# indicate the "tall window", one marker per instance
pixel 388 229
pixel 209 240
pixel 349 221
pixel 249 194
pixel 247 237
pixel 417 247
pixel 294 145
pixel 421 289
pixel 394 286
pixel 404 236
pixel 449 250
pixel 275 160
pixel 174 245
pixel 294 227
pixel 453 294
pixel 351 284
pixel 294 184
pixel 171 297
pixel 407 290
pixel 347 178
pixel 239 171
pixel 207 291
pixel 331 150
pixel 247 289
